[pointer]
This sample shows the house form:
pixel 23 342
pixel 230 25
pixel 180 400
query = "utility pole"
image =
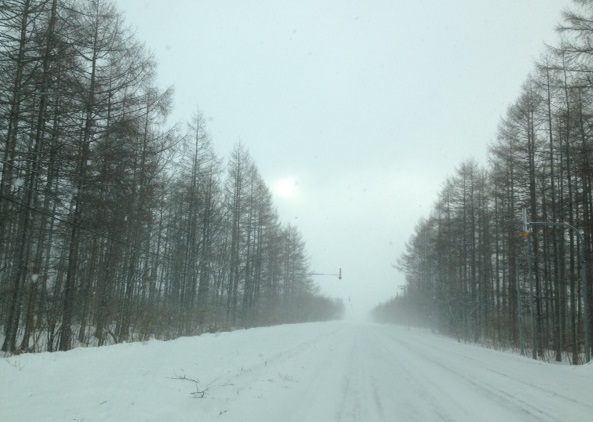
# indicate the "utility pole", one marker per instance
pixel 581 246
pixel 519 309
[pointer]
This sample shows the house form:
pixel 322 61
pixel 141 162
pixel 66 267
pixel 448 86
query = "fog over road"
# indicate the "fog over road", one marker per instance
pixel 335 371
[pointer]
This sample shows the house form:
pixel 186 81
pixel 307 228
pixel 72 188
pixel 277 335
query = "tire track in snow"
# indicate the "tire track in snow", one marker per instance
pixel 466 360
pixel 268 363
pixel 380 388
pixel 416 399
pixel 375 373
pixel 490 389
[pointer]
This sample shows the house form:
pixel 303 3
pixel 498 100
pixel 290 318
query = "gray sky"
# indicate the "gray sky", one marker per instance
pixel 355 112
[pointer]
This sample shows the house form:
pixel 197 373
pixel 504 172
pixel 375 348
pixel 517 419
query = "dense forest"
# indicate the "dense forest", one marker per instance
pixel 473 269
pixel 115 226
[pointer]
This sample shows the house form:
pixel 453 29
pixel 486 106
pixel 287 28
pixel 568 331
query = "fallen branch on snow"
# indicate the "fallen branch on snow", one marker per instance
pixel 198 394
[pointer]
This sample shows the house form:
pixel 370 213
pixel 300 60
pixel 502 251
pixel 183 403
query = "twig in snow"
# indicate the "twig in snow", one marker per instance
pixel 198 394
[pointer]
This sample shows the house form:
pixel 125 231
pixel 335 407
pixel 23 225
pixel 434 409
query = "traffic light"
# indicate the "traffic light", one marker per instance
pixel 340 274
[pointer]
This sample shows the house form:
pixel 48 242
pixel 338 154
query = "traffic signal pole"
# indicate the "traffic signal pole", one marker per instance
pixel 581 245
pixel 338 274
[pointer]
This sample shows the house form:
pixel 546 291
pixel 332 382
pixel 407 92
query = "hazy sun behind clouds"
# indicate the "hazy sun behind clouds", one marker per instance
pixel 285 187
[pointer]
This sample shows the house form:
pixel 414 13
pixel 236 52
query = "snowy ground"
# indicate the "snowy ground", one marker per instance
pixel 336 371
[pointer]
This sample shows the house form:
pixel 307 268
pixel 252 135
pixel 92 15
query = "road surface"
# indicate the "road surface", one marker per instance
pixel 386 373
pixel 337 371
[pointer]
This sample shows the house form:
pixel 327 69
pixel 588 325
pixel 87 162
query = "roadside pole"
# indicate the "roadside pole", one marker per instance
pixel 585 285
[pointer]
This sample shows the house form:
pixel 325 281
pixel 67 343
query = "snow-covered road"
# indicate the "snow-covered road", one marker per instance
pixel 336 371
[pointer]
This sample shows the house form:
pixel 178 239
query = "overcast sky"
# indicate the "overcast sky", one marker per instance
pixel 355 112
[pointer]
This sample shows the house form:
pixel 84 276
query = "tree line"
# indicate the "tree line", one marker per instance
pixel 472 270
pixel 113 225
